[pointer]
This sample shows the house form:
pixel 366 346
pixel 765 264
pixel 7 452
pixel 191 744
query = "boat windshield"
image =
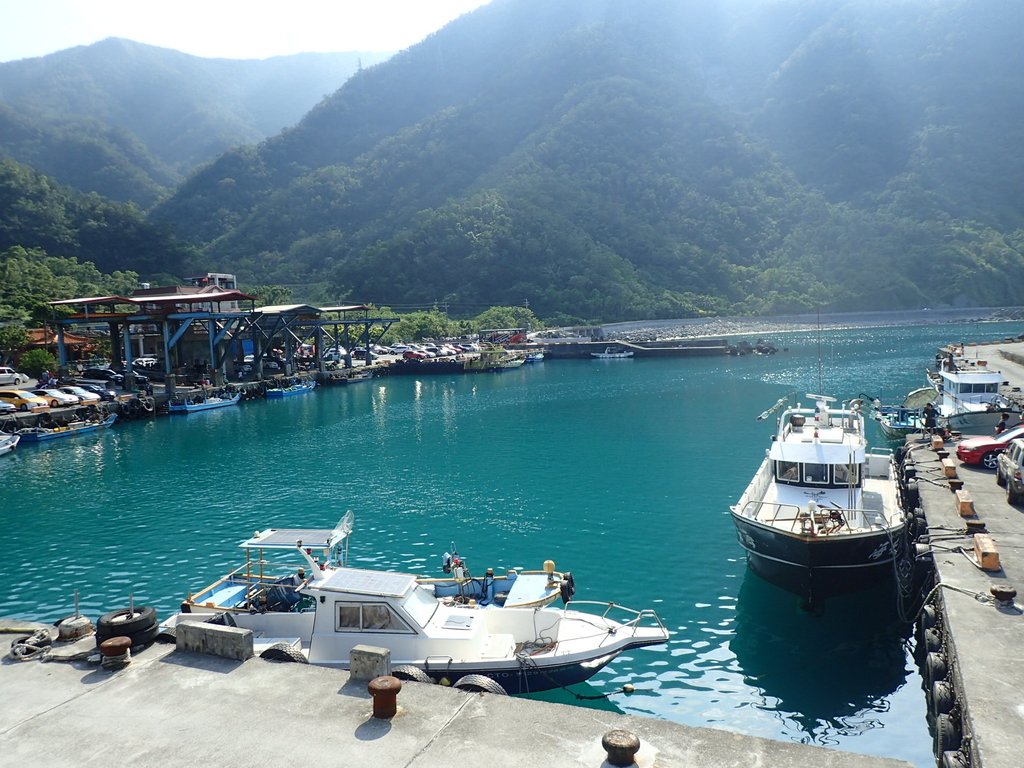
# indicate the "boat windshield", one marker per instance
pixel 421 604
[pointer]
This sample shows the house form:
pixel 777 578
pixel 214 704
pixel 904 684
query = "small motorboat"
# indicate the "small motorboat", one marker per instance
pixel 298 388
pixel 612 353
pixel 322 608
pixel 822 515
pixel 72 428
pixel 200 403
pixel 8 442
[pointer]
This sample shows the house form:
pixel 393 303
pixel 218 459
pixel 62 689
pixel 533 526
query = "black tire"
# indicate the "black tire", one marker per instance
pixel 23 407
pixel 932 640
pixel 990 460
pixel 284 652
pixel 947 734
pixel 409 672
pixel 122 623
pixel 935 668
pixel 1012 497
pixel 942 698
pixel 479 683
pixel 144 637
pixel 1000 480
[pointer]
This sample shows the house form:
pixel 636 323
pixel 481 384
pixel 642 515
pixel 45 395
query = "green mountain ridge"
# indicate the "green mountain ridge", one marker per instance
pixel 148 115
pixel 612 159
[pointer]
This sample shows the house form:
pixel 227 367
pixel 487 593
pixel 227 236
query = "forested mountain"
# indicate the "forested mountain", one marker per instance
pixel 38 215
pixel 615 158
pixel 611 159
pixel 129 120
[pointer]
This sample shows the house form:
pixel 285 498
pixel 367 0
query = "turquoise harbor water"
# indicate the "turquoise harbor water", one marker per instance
pixel 620 470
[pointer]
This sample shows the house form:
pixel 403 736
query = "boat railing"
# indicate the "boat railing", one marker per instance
pixel 248 585
pixel 821 521
pixel 631 617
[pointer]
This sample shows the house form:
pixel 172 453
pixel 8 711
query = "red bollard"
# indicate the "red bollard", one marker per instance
pixel 384 691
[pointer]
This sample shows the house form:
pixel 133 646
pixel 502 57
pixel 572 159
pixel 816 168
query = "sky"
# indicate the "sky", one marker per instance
pixel 232 29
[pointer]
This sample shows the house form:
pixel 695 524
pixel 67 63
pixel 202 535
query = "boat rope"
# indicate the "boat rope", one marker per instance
pixel 34 647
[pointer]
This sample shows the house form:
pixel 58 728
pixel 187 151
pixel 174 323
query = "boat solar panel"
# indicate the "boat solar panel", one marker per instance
pixel 370 582
pixel 286 538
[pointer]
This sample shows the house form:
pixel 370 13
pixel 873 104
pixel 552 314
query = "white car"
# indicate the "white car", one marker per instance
pixel 83 395
pixel 55 398
pixel 11 376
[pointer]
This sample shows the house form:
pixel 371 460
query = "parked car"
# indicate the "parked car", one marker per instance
pixel 22 400
pixel 6 408
pixel 985 449
pixel 414 354
pixel 11 376
pixel 83 395
pixel 1009 466
pixel 141 379
pixel 56 398
pixel 104 374
pixel 104 393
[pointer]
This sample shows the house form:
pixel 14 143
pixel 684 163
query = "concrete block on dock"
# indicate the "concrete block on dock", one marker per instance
pixel 985 552
pixel 949 468
pixel 369 661
pixel 214 640
pixel 937 442
pixel 964 503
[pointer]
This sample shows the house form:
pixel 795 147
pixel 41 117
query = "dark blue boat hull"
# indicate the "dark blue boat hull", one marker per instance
pixel 821 567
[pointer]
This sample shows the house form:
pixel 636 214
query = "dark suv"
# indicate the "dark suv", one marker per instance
pixel 104 374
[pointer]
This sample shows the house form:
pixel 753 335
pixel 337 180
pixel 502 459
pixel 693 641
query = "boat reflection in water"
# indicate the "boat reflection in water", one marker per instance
pixel 824 675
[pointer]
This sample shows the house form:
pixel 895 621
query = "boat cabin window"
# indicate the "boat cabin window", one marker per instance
pixel 796 473
pixel 844 474
pixel 787 470
pixel 368 617
pixel 816 473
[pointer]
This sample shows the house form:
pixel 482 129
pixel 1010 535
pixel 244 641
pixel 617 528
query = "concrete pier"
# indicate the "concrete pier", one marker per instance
pixel 977 642
pixel 171 708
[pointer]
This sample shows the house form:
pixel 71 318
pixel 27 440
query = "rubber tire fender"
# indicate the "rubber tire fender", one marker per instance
pixel 942 698
pixel 409 672
pixel 567 588
pixel 947 734
pixel 476 683
pixel 123 623
pixel 284 652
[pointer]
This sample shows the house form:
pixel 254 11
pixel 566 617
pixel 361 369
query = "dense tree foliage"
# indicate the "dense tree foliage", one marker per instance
pixel 611 159
pixel 38 214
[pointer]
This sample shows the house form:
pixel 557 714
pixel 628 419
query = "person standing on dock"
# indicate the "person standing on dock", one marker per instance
pixel 1001 424
pixel 929 419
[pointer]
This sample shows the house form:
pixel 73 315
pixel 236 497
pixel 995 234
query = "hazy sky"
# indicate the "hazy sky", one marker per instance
pixel 234 29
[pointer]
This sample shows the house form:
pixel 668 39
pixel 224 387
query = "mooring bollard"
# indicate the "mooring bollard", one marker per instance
pixel 621 747
pixel 384 690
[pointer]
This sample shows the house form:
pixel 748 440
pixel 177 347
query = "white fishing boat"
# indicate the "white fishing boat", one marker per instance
pixel 821 516
pixel 196 403
pixel 8 443
pixel 612 353
pixel 320 608
pixel 968 397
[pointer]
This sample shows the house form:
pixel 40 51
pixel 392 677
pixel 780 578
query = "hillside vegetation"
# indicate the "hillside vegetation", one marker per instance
pixel 129 121
pixel 615 159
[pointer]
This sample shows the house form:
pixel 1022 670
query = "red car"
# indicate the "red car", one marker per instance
pixel 985 449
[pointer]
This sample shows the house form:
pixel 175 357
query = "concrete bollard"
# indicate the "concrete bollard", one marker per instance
pixel 384 691
pixel 368 661
pixel 621 747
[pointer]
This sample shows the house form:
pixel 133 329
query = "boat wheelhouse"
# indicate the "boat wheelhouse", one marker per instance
pixel 968 395
pixel 821 516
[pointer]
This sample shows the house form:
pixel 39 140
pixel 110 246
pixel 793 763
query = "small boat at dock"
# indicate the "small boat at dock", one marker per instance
pixel 193 404
pixel 821 516
pixel 8 443
pixel 322 608
pixel 299 388
pixel 72 428
pixel 967 392
pixel 612 353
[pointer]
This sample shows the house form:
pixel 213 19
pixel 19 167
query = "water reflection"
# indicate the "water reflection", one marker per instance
pixel 825 675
